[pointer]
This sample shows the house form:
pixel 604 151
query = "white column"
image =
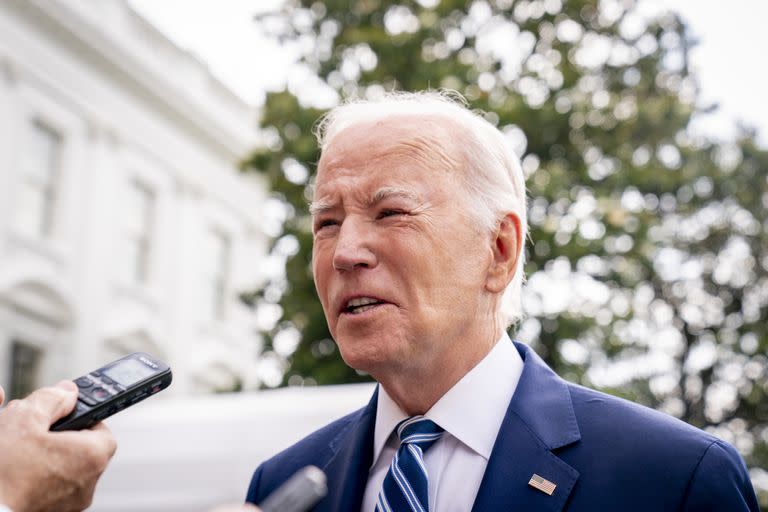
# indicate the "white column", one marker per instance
pixel 9 123
pixel 10 131
pixel 96 214
pixel 184 318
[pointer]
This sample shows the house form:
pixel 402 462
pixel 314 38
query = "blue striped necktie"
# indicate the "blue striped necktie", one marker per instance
pixel 405 486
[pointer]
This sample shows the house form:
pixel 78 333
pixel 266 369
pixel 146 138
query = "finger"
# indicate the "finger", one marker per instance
pixel 95 447
pixel 67 385
pixel 2 395
pixel 103 436
pixel 54 402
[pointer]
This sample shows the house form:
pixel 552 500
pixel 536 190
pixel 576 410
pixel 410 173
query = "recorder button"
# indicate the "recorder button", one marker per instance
pixel 87 399
pixel 84 382
pixel 100 394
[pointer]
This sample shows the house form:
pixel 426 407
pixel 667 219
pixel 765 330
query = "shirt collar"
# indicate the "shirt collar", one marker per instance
pixel 494 379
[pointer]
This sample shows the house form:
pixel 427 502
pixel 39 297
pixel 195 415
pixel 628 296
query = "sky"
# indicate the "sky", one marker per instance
pixel 727 60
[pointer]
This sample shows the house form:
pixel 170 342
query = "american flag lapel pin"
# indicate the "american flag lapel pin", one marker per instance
pixel 542 484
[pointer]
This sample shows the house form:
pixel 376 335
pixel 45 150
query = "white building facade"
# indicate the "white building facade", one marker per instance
pixel 124 222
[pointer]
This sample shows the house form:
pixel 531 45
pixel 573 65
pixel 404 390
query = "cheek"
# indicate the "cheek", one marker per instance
pixel 321 287
pixel 459 266
pixel 320 274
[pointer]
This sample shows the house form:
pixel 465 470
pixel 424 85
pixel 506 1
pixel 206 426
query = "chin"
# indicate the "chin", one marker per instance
pixel 365 357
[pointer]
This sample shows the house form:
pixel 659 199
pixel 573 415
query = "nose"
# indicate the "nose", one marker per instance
pixel 353 249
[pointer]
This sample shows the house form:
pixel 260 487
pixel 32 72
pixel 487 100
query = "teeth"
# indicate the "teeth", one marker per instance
pixel 361 301
pixel 363 308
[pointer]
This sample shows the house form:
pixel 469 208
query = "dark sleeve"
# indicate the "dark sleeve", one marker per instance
pixel 253 488
pixel 720 482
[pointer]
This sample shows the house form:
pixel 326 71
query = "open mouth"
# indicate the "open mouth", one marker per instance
pixel 361 305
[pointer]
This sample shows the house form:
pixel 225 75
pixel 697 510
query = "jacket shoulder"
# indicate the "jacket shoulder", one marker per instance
pixel 622 418
pixel 622 441
pixel 315 449
pixel 720 477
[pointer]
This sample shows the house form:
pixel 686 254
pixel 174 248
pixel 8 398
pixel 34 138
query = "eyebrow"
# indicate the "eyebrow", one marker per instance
pixel 324 205
pixel 321 206
pixel 392 192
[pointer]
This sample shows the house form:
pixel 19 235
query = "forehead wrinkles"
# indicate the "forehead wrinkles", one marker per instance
pixel 426 151
pixel 424 140
pixel 372 149
pixel 326 204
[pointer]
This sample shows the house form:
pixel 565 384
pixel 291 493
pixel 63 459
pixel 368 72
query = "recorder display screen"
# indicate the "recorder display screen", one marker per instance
pixel 128 372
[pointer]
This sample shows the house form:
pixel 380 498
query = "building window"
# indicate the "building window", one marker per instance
pixel 215 272
pixel 136 243
pixel 25 365
pixel 37 186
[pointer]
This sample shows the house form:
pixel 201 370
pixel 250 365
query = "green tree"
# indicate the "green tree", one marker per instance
pixel 648 263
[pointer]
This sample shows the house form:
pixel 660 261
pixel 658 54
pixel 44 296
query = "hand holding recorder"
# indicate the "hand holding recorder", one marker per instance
pixel 53 448
pixel 42 470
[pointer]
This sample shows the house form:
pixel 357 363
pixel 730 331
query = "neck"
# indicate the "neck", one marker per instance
pixel 415 392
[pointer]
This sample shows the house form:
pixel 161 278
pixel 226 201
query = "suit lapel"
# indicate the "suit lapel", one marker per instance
pixel 347 469
pixel 539 419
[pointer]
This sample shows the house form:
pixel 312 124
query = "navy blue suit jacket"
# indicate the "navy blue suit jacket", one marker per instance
pixel 603 453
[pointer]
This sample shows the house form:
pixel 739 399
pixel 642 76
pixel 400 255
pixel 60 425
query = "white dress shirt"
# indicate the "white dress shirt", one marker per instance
pixel 471 413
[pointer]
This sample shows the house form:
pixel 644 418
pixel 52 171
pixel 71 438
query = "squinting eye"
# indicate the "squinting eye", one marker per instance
pixel 390 213
pixel 324 223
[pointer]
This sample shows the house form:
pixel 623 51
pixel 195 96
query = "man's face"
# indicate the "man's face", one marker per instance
pixel 398 263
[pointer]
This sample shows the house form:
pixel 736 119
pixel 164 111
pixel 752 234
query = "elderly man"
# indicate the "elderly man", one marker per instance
pixel 419 224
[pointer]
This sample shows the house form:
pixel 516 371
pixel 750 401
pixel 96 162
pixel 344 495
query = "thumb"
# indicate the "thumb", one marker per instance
pixel 2 395
pixel 55 402
pixel 67 385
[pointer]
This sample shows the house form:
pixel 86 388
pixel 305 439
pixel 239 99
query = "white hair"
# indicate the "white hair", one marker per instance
pixel 493 176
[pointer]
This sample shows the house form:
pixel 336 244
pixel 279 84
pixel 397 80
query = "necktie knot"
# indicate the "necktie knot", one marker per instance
pixel 405 487
pixel 420 431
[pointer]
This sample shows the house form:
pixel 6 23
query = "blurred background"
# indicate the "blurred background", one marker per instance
pixel 155 161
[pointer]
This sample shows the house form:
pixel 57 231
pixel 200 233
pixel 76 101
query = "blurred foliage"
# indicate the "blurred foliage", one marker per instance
pixel 648 263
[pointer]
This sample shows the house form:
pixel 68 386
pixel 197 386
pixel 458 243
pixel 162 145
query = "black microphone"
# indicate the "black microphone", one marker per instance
pixel 299 493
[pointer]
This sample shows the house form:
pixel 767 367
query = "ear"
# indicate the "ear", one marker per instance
pixel 507 246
